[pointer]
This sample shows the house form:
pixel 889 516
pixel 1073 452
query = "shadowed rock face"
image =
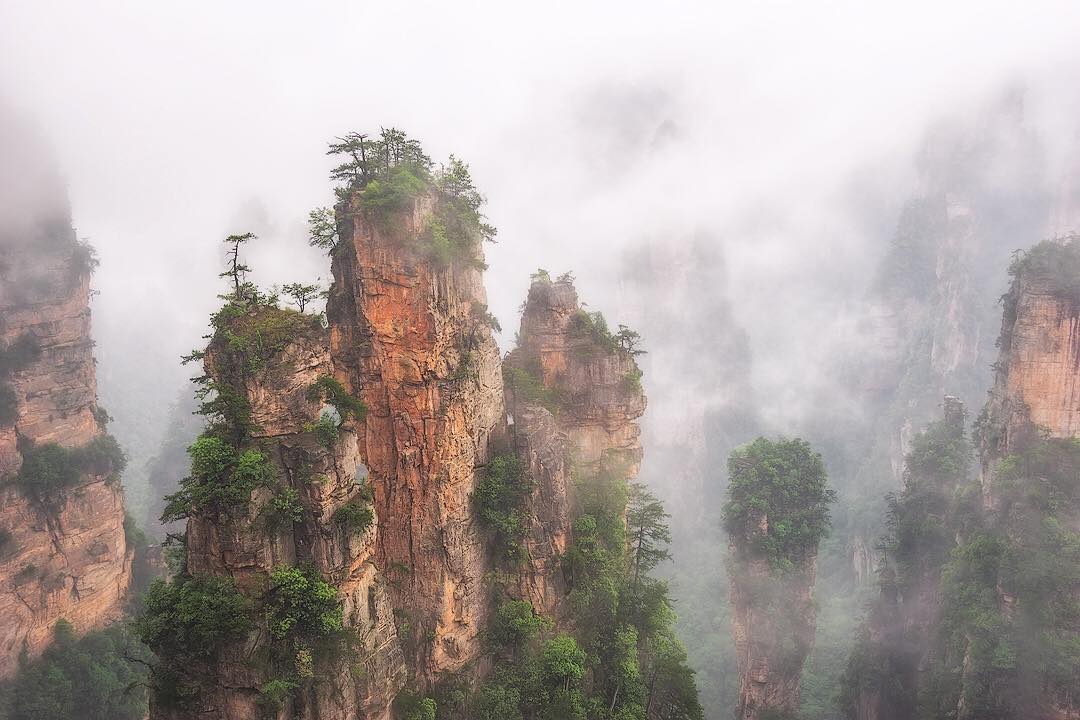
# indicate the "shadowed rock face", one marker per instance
pixel 588 426
pixel 411 340
pixel 67 557
pixel 243 547
pixel 773 622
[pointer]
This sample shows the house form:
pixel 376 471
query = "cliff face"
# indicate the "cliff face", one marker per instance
pixel 773 622
pixel 1038 378
pixel 973 617
pixel 65 556
pixel 411 339
pixel 323 475
pixel 574 405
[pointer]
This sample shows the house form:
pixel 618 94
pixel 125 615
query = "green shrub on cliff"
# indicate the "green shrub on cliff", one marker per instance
pixel 328 389
pixel 528 388
pixel 99 676
pixel 355 516
pixel 301 606
pixel 1054 261
pixel 19 354
pixel 49 467
pixel 386 174
pixel 190 618
pixel 499 498
pixel 780 485
pixel 222 479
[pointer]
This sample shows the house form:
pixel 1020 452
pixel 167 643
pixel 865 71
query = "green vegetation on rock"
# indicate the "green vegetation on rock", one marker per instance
pixel 99 676
pixel 783 484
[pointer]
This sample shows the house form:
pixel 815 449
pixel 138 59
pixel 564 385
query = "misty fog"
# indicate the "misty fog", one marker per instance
pixel 727 178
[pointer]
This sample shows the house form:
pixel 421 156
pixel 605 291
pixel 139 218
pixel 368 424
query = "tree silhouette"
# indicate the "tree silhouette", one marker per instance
pixel 236 269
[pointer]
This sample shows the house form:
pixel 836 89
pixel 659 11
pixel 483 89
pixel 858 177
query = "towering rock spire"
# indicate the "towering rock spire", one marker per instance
pixel 411 336
pixel 63 552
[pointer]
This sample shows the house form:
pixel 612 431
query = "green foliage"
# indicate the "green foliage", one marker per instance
pixel 647 527
pixel 514 624
pixel 284 509
pixel 393 191
pixel 322 229
pixel 49 468
pixel 191 618
pixel 499 500
pixel 274 694
pixel 222 479
pixel 355 516
pixel 631 380
pixel 783 482
pixel 325 430
pixel 497 702
pixel 593 327
pixel 563 659
pixel 96 677
pixel 999 658
pixel 300 605
pixel 366 158
pixel 1056 262
pixel 409 706
pixel 84 260
pixel 300 294
pixel 252 335
pixel 328 389
pixel 528 388
pixel 388 173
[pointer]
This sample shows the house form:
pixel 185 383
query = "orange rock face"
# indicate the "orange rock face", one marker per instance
pixel 411 340
pixel 67 558
pixel 1043 360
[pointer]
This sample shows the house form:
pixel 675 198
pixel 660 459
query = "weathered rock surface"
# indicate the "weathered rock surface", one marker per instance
pixel 66 558
pixel 411 339
pixel 246 548
pixel 1038 379
pixel 594 399
pixel 773 621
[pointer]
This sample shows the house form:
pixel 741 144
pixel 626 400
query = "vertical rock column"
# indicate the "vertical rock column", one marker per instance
pixel 412 340
pixel 574 402
pixel 326 475
pixel 64 556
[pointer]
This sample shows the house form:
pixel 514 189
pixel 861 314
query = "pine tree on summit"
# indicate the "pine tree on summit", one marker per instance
pixel 236 269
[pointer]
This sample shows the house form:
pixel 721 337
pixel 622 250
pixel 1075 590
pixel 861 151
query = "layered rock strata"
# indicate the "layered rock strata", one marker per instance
pixel 574 397
pixel 65 556
pixel 411 338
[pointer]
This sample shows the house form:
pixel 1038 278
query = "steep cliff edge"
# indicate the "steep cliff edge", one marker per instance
pixel 1038 372
pixel 412 338
pixel 279 520
pixel 574 394
pixel 367 536
pixel 775 517
pixel 980 579
pixel 63 552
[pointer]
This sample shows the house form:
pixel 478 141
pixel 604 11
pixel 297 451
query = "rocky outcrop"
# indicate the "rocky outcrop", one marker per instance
pixel 411 338
pixel 67 556
pixel 773 622
pixel 1038 372
pixel 324 474
pixel 573 397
